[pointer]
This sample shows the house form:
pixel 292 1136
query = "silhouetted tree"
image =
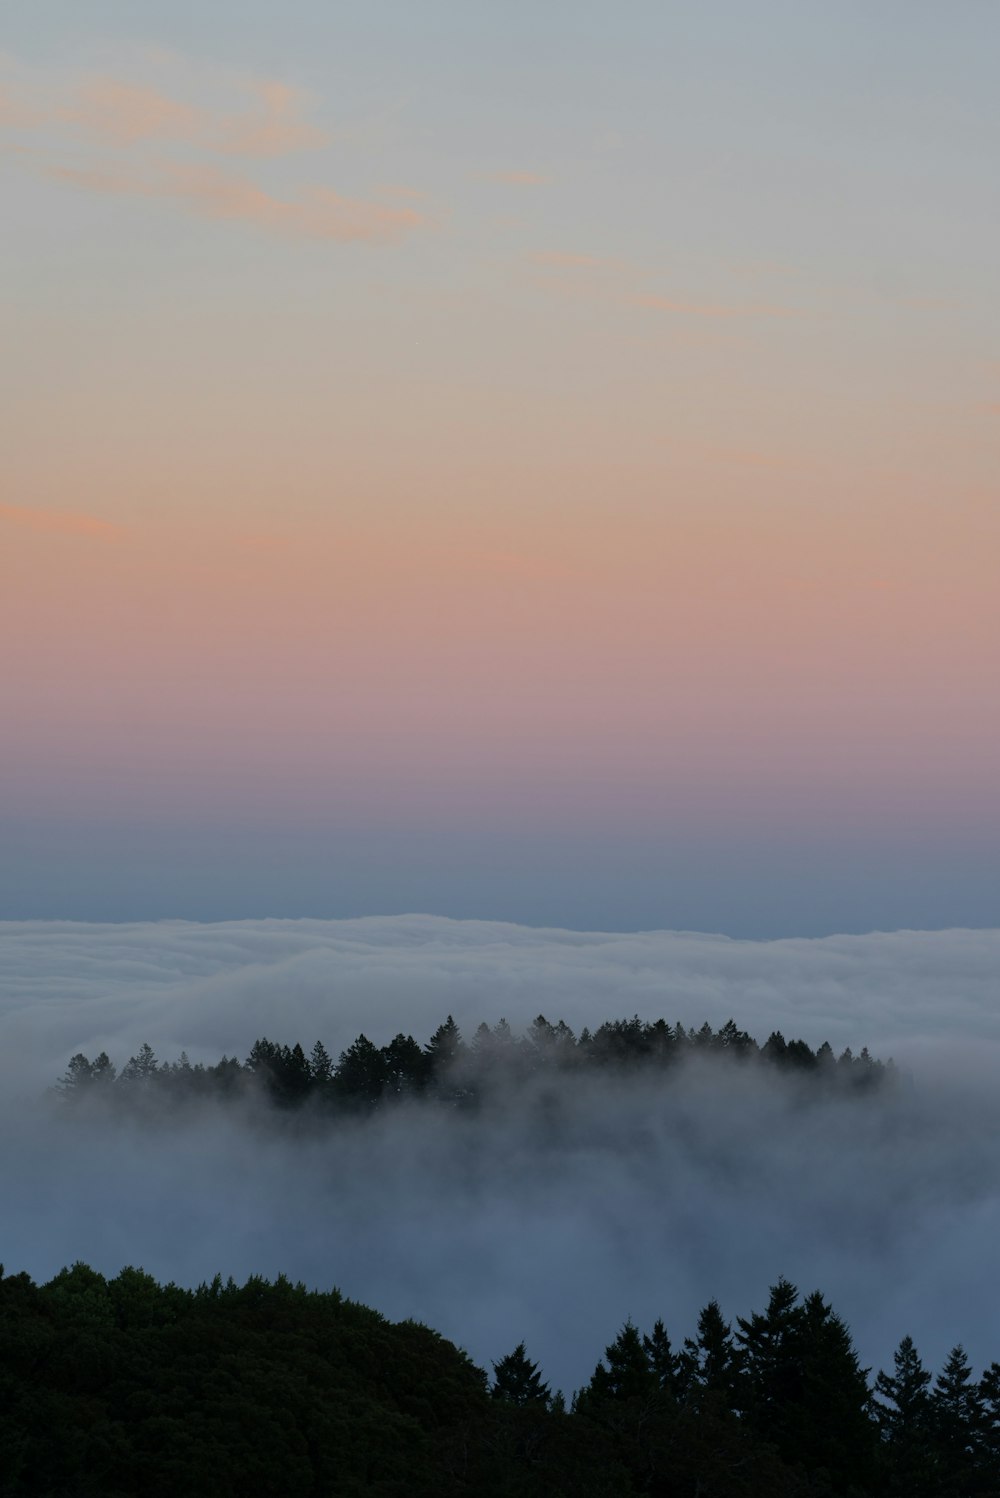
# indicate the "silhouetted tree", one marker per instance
pixel 405 1067
pixel 361 1073
pixel 959 1419
pixel 517 1380
pixel 140 1068
pixel 707 1364
pixel 662 1359
pixel 903 1413
pixel 320 1065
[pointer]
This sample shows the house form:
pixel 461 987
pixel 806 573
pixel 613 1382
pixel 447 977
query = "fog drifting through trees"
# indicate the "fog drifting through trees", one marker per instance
pixel 555 1213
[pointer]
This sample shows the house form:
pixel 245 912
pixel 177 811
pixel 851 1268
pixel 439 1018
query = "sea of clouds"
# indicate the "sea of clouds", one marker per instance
pixel 649 1199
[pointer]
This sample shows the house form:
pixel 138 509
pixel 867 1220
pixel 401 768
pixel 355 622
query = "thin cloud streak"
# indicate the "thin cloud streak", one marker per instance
pixel 564 260
pixel 709 309
pixel 575 264
pixel 58 522
pixel 519 178
pixel 318 213
pixel 123 114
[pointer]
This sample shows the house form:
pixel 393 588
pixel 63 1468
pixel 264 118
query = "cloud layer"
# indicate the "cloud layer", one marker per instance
pixel 209 988
pixel 641 1201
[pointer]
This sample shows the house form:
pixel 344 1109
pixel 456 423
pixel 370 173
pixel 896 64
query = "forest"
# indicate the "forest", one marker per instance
pixel 124 1386
pixel 447 1069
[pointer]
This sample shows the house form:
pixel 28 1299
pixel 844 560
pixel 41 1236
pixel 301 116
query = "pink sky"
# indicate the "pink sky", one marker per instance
pixel 357 467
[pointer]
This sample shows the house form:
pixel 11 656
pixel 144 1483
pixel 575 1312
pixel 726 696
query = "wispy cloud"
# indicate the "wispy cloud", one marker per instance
pixel 709 309
pixel 122 114
pixel 315 213
pixel 106 133
pixel 245 116
pixel 570 273
pixel 60 522
pixel 16 112
pixel 565 260
pixel 519 178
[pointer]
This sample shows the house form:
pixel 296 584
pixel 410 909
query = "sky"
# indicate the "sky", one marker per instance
pixel 533 463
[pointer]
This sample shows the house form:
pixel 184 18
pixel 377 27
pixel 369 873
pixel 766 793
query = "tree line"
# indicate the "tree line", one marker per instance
pixel 123 1386
pixel 366 1076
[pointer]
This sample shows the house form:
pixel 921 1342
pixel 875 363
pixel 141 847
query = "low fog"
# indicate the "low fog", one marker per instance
pixel 558 1212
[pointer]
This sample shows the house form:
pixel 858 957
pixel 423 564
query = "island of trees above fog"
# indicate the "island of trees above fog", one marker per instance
pixel 122 1386
pixel 447 1069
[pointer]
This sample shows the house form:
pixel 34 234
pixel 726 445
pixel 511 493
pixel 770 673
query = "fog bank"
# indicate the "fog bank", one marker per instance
pixel 214 988
pixel 548 1220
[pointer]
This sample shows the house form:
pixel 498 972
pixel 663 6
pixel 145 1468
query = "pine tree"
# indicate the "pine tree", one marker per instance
pixel 903 1414
pixel 263 1059
pixel 903 1395
pixel 140 1068
pixel 517 1380
pixel 320 1065
pixel 77 1077
pixel 774 1048
pixel 294 1076
pixel 959 1420
pixel 405 1066
pixel 771 1358
pixel 834 1428
pixel 735 1042
pixel 803 1389
pixel 708 1365
pixel 563 1044
pixel 826 1062
pixel 361 1073
pixel 442 1053
pixel 629 1373
pixel 989 1395
pixel 663 1361
pixel 540 1039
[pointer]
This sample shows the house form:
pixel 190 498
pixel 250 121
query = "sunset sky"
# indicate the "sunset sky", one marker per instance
pixel 529 461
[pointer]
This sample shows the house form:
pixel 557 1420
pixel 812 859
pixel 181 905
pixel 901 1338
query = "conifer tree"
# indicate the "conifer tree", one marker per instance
pixel 140 1068
pixel 294 1076
pixel 803 1389
pixel 444 1047
pixel 518 1381
pixel 989 1397
pixel 320 1065
pixel 442 1055
pixel 629 1372
pixel 405 1066
pixel 708 1364
pixel 959 1420
pixel 663 1361
pixel 361 1073
pixel 902 1410
pixel 775 1047
pixel 77 1076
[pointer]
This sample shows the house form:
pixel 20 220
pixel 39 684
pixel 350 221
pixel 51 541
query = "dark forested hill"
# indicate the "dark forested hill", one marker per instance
pixel 123 1386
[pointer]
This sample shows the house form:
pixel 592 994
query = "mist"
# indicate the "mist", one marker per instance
pixel 559 1210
